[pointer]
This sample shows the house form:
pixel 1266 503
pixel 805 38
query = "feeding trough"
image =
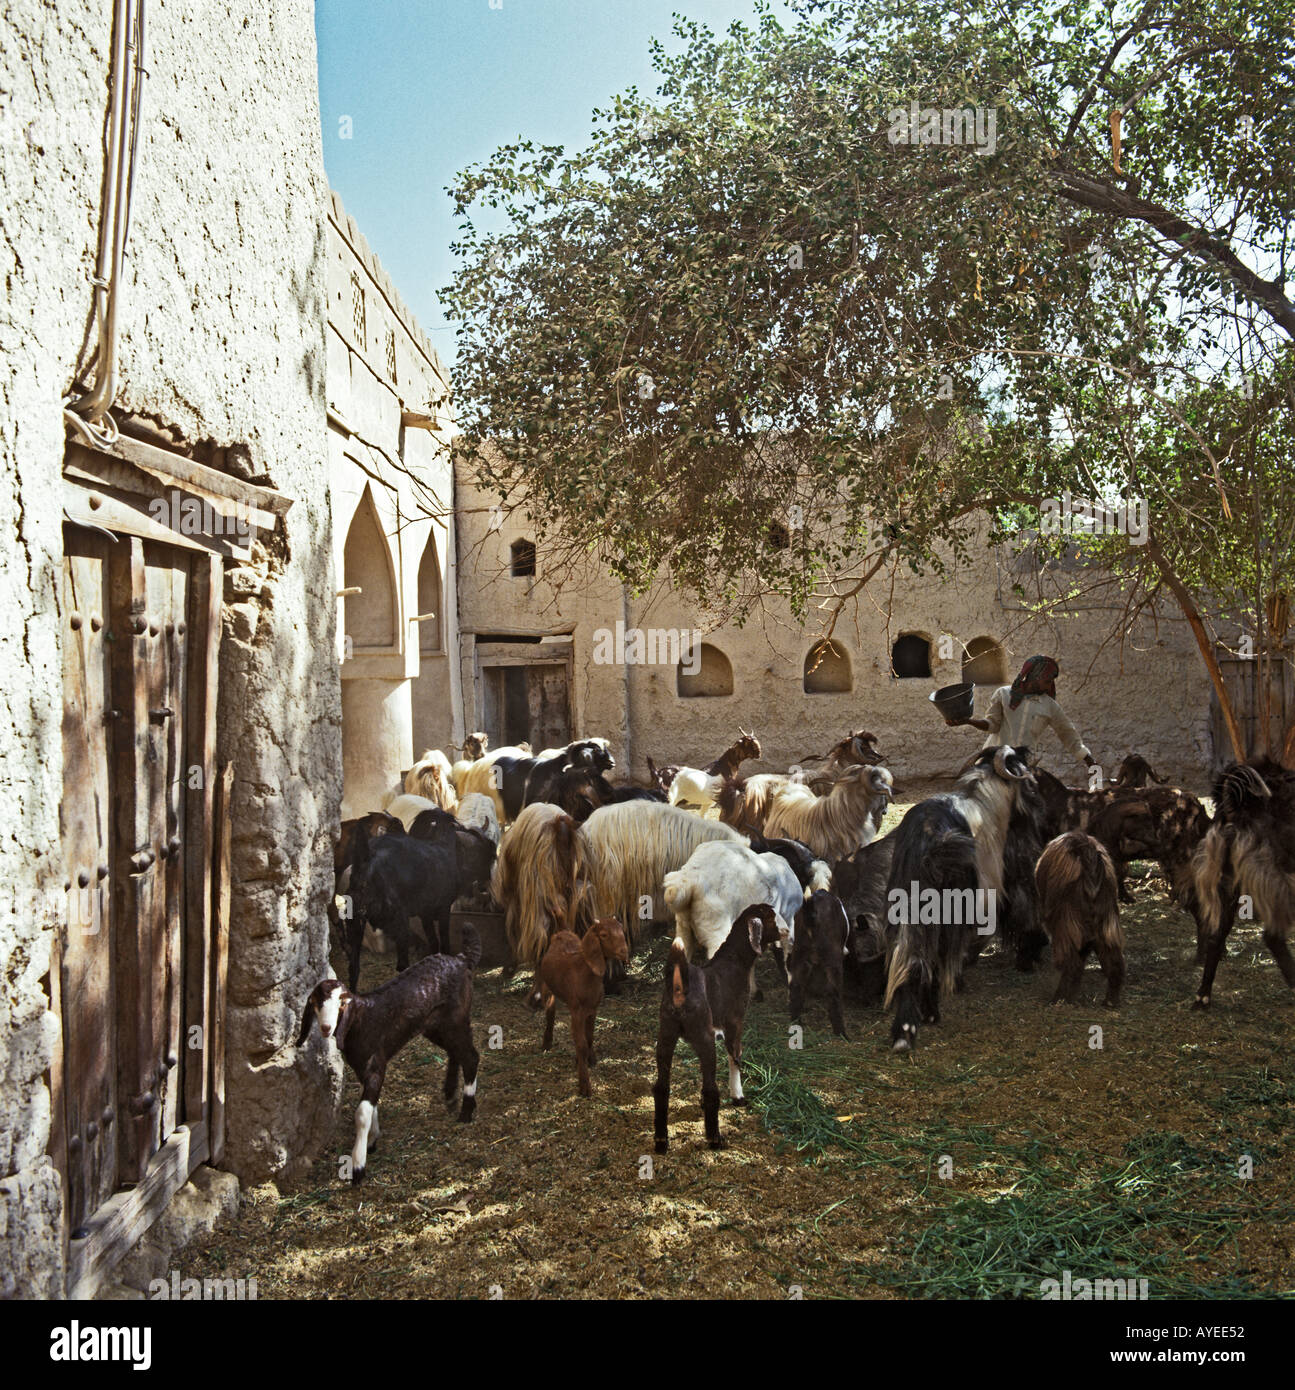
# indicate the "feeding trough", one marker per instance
pixel 956 703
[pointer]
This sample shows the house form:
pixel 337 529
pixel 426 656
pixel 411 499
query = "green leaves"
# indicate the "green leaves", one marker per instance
pixel 746 300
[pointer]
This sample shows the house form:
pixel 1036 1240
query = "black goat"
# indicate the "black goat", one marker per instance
pixel 433 998
pixel 474 851
pixel 860 882
pixel 946 885
pixel 818 957
pixel 1031 826
pixel 701 1001
pixel 527 780
pixel 1249 850
pixel 1134 773
pixel 404 878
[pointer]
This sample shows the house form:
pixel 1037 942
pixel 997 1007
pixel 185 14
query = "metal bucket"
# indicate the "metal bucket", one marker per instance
pixel 956 703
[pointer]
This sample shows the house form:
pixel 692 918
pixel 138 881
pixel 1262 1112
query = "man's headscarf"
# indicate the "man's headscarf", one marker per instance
pixel 1037 677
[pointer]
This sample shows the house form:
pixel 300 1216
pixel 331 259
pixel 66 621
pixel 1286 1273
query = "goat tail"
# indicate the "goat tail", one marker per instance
pixel 676 973
pixel 471 951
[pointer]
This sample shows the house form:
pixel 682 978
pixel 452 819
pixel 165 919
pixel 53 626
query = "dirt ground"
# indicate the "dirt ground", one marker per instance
pixel 1018 1143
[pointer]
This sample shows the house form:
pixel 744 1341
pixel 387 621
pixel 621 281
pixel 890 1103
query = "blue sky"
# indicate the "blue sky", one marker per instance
pixel 433 85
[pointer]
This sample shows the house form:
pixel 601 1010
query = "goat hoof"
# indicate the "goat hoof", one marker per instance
pixel 758 996
pixel 720 1143
pixel 901 1045
pixel 662 1146
pixel 357 1177
pixel 741 1100
pixel 1202 1002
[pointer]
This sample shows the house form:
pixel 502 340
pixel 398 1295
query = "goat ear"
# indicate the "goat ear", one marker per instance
pixel 592 949
pixel 755 930
pixel 306 1020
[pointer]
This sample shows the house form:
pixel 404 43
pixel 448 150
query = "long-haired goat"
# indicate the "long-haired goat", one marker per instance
pixel 703 1002
pixel 474 747
pixel 949 846
pixel 1031 825
pixel 633 845
pixel 1079 908
pixel 1249 850
pixel 434 998
pixel 430 777
pixel 833 825
pixel 543 873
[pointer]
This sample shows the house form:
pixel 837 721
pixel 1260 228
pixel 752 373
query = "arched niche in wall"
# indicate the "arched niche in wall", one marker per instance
pixel 521 558
pixel 985 662
pixel 430 638
pixel 371 614
pixel 910 657
pixel 827 670
pixel 714 675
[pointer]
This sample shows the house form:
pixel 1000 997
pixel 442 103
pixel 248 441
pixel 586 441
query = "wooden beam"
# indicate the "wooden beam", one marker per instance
pixel 98 507
pixel 99 470
pixel 116 1226
pixel 175 468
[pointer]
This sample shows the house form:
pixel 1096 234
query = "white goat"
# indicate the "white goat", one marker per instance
pixel 477 812
pixel 720 880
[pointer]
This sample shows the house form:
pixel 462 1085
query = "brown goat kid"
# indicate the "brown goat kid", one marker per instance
pixel 1080 911
pixel 572 970
pixel 703 1002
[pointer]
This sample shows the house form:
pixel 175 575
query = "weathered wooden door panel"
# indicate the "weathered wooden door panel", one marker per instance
pixel 550 714
pixel 87 971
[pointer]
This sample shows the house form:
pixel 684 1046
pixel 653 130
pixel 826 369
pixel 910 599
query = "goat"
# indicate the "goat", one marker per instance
pixel 819 945
pixel 433 998
pixel 950 846
pixel 406 807
pixel 860 882
pixel 811 873
pixel 590 755
pixel 1161 823
pixel 1248 850
pixel 832 826
pixel 1134 773
pixel 698 784
pixel 703 1002
pixel 1031 825
pixel 855 748
pixel 477 812
pixel 474 851
pixel 474 748
pixel 543 872
pixel 633 845
pixel 719 879
pixel 1080 910
pixel 484 776
pixel 404 878
pixel 430 776
pixel 572 970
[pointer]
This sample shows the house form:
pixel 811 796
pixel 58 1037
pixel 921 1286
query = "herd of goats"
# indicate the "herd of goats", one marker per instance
pixel 788 865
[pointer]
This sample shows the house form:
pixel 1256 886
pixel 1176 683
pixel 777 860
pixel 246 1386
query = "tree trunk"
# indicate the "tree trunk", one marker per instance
pixel 1197 623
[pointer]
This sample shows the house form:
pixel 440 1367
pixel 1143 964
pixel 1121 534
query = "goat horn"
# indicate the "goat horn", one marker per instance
pixel 1000 764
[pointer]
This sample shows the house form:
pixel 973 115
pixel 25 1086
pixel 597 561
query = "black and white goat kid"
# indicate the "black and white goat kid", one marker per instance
pixel 434 998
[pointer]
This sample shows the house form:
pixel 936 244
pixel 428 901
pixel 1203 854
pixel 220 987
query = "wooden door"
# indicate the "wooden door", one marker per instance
pixel 88 978
pixel 548 706
pixel 139 980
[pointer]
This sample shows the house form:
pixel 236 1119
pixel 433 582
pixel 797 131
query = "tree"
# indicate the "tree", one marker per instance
pixel 802 286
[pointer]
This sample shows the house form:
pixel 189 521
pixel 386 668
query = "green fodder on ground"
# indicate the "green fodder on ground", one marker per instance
pixel 1016 1144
